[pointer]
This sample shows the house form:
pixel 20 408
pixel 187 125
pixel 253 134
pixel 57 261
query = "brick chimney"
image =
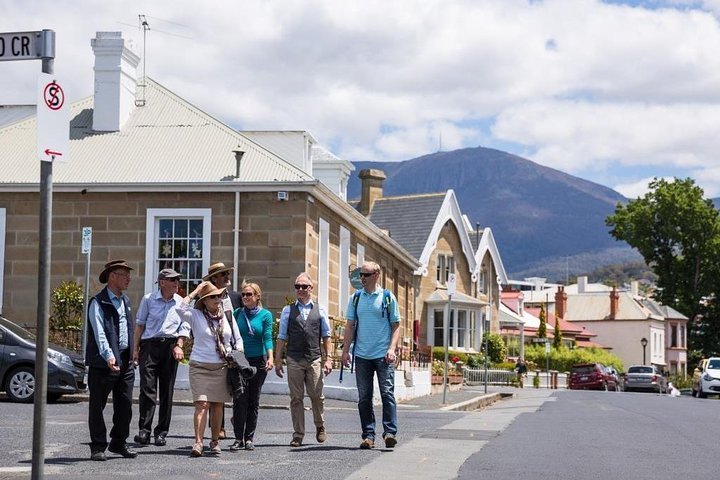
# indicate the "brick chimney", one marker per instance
pixel 560 302
pixel 115 81
pixel 614 300
pixel 372 182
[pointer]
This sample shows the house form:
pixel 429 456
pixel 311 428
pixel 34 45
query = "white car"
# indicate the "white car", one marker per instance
pixel 710 378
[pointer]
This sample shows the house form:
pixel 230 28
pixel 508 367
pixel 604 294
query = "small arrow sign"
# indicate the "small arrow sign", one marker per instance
pixel 50 152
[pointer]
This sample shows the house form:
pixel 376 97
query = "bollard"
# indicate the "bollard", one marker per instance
pixel 554 379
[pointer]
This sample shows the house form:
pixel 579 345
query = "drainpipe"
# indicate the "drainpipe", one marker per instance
pixel 236 224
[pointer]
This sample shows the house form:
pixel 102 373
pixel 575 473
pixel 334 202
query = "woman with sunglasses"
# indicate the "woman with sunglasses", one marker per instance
pixel 255 325
pixel 213 339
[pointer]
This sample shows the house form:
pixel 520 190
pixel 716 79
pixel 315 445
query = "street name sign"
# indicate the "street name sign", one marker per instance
pixel 541 340
pixel 27 45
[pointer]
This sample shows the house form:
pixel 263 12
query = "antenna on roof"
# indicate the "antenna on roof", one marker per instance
pixel 440 142
pixel 145 26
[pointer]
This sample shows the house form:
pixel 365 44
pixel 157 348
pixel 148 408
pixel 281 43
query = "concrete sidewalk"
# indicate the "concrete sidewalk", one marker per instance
pixel 465 398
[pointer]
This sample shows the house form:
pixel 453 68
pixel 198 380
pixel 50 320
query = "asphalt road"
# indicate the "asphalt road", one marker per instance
pixel 538 434
pixel 67 452
pixel 603 435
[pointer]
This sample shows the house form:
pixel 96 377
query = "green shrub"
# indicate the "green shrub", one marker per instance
pixel 536 381
pixel 681 381
pixel 67 306
pixel 562 359
pixel 438 353
pixel 497 350
pixel 475 361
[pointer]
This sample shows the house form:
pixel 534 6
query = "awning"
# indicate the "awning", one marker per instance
pixel 440 297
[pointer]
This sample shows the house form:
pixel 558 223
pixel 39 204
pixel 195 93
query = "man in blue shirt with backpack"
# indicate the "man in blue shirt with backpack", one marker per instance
pixel 373 330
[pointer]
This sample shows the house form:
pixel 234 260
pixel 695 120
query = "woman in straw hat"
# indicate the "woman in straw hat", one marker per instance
pixel 213 339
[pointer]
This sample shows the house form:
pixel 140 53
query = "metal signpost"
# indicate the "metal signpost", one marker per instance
pixel 86 249
pixel 451 285
pixel 40 46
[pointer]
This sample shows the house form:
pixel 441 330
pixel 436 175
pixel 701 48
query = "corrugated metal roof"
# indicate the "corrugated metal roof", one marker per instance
pixel 596 306
pixel 168 140
pixel 14 113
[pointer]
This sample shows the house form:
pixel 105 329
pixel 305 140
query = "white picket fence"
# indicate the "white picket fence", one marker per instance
pixel 505 377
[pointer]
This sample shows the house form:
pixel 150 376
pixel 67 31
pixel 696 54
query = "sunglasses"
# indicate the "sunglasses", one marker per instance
pixel 247 294
pixel 302 287
pixel 366 274
pixel 213 296
pixel 171 279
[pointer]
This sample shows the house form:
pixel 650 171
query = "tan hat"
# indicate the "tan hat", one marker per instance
pixel 216 268
pixel 206 291
pixel 113 265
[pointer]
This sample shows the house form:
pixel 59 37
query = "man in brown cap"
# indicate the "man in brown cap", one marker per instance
pixel 108 354
pixel 219 275
pixel 157 328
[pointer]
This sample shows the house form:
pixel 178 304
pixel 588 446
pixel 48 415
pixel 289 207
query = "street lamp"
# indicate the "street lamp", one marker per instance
pixel 643 342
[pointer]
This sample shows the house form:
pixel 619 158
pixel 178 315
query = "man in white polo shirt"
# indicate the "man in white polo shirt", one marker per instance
pixel 373 325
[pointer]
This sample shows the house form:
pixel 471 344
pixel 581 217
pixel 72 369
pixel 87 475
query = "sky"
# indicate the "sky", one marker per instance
pixel 615 92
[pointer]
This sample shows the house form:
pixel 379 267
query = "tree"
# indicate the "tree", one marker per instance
pixel 677 232
pixel 557 338
pixel 542 329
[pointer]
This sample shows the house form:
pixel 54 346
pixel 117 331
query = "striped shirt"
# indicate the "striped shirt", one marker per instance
pixel 372 331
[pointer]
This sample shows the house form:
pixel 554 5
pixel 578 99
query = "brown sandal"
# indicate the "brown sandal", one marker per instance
pixel 197 450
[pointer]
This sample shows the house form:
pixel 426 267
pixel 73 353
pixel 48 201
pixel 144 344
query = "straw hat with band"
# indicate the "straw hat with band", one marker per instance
pixel 206 291
pixel 215 269
pixel 113 265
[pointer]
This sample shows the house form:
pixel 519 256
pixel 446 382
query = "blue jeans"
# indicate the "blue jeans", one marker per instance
pixel 364 372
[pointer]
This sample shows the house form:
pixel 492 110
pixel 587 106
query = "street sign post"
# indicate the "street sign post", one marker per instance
pixel 39 46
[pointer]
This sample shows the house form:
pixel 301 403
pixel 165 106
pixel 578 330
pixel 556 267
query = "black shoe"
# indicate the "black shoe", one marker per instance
pixel 143 437
pixel 160 440
pixel 237 445
pixel 249 445
pixel 98 456
pixel 123 450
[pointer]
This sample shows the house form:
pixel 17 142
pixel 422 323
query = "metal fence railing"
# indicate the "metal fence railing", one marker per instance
pixel 494 377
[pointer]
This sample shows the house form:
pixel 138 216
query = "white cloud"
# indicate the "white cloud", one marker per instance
pixel 583 85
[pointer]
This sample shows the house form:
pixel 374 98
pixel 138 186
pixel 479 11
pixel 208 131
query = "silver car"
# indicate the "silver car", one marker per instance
pixel 645 377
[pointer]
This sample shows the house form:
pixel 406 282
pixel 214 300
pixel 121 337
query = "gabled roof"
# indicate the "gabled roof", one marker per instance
pixel 408 219
pixel 416 221
pixel 167 140
pixel 662 310
pixel 550 318
pixel 596 306
pixel 487 245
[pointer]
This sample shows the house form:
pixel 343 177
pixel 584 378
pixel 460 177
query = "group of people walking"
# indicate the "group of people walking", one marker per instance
pixel 220 321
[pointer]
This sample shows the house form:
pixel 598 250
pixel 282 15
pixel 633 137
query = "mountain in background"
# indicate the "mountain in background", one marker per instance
pixel 546 223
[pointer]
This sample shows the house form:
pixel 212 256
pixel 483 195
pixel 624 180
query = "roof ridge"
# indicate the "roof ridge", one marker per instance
pixel 412 195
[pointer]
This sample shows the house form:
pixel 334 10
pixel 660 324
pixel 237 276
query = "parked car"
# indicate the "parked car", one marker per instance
pixel 645 377
pixel 616 377
pixel 66 370
pixel 591 376
pixel 697 373
pixel 710 379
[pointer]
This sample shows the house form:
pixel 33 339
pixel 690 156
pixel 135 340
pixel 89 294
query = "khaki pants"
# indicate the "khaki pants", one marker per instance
pixel 305 376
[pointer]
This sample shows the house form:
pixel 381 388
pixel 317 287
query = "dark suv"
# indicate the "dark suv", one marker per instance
pixel 591 376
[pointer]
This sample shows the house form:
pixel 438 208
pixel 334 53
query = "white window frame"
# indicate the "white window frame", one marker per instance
pixel 360 255
pixel 151 225
pixel 343 278
pixel 323 282
pixel 3 229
